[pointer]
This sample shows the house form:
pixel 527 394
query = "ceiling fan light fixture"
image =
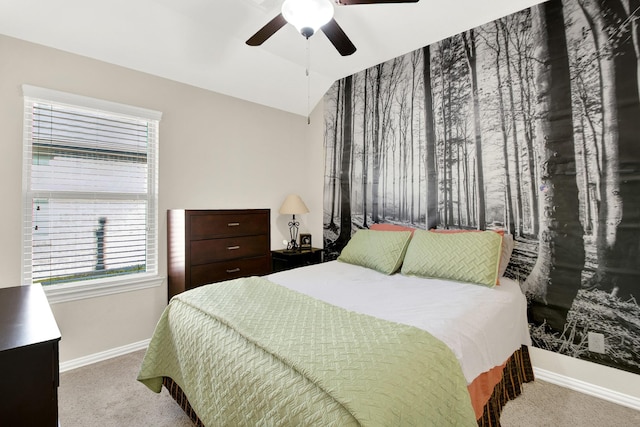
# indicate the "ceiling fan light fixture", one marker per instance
pixel 307 15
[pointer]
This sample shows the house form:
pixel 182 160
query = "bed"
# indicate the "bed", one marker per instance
pixel 341 343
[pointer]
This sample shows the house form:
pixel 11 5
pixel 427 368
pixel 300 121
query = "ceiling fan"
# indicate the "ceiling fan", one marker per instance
pixel 309 16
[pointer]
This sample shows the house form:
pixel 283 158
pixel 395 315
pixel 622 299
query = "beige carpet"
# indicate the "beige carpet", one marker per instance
pixel 107 394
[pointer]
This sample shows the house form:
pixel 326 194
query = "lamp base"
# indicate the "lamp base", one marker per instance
pixel 293 234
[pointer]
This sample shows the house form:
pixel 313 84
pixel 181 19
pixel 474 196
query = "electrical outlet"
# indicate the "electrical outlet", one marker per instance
pixel 596 342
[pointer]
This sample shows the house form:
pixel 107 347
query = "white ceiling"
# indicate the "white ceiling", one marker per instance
pixel 202 42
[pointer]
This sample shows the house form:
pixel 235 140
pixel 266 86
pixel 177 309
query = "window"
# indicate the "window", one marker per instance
pixel 90 194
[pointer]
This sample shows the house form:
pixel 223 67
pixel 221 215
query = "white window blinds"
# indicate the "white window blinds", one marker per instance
pixel 90 180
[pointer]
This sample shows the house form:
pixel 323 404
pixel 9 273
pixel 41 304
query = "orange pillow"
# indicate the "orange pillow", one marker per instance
pixel 458 230
pixel 390 227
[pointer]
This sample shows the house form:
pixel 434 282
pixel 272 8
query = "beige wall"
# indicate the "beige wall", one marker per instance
pixel 215 152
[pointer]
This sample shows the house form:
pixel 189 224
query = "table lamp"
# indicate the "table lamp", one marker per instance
pixel 293 205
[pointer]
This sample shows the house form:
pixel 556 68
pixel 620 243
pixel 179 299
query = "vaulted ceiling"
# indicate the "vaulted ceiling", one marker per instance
pixel 202 42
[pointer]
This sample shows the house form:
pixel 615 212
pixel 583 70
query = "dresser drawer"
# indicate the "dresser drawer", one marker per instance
pixel 222 225
pixel 225 270
pixel 206 251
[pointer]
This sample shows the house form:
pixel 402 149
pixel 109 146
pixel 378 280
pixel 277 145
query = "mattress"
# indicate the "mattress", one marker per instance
pixel 482 326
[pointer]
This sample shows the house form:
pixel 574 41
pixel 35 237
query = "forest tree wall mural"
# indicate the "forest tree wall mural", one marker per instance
pixel 531 124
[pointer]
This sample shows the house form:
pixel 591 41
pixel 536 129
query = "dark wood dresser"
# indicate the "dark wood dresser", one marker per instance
pixel 29 369
pixel 207 246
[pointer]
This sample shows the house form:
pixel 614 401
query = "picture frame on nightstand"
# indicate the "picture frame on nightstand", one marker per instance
pixel 305 242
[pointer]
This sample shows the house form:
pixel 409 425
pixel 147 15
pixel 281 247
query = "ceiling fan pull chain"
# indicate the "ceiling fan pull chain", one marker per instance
pixel 308 82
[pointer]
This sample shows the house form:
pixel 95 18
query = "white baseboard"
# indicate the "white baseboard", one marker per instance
pixel 587 388
pixel 103 355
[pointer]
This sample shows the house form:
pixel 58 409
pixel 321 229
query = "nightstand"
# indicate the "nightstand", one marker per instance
pixel 286 260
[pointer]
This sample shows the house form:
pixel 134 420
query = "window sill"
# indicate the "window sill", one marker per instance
pixel 97 288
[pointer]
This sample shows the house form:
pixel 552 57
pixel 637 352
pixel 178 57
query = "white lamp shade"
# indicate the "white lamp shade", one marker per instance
pixel 293 205
pixel 307 13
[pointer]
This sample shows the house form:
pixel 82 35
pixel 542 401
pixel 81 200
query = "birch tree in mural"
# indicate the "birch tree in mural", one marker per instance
pixel 618 231
pixel 430 152
pixel 528 124
pixel 345 165
pixel 365 166
pixel 496 46
pixel 376 145
pixel 334 128
pixel 517 37
pixel 555 278
pixel 470 54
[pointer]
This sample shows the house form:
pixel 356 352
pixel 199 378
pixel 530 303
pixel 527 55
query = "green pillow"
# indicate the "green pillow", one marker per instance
pixel 382 251
pixel 463 257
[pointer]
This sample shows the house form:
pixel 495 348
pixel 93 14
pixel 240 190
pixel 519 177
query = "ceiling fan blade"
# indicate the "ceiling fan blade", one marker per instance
pixel 338 38
pixel 348 2
pixel 267 31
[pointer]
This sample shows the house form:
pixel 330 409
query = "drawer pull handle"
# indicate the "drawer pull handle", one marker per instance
pixel 233 248
pixel 233 270
pixel 233 224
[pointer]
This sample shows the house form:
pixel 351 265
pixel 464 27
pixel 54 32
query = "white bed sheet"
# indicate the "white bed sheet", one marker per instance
pixel 483 326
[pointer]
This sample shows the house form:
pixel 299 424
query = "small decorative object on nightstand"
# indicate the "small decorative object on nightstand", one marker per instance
pixel 305 242
pixel 284 259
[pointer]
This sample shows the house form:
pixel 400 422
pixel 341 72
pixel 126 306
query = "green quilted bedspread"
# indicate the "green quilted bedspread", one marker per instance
pixel 250 352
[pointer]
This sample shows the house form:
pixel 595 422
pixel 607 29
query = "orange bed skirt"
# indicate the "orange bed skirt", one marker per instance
pixel 489 392
pixel 493 389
